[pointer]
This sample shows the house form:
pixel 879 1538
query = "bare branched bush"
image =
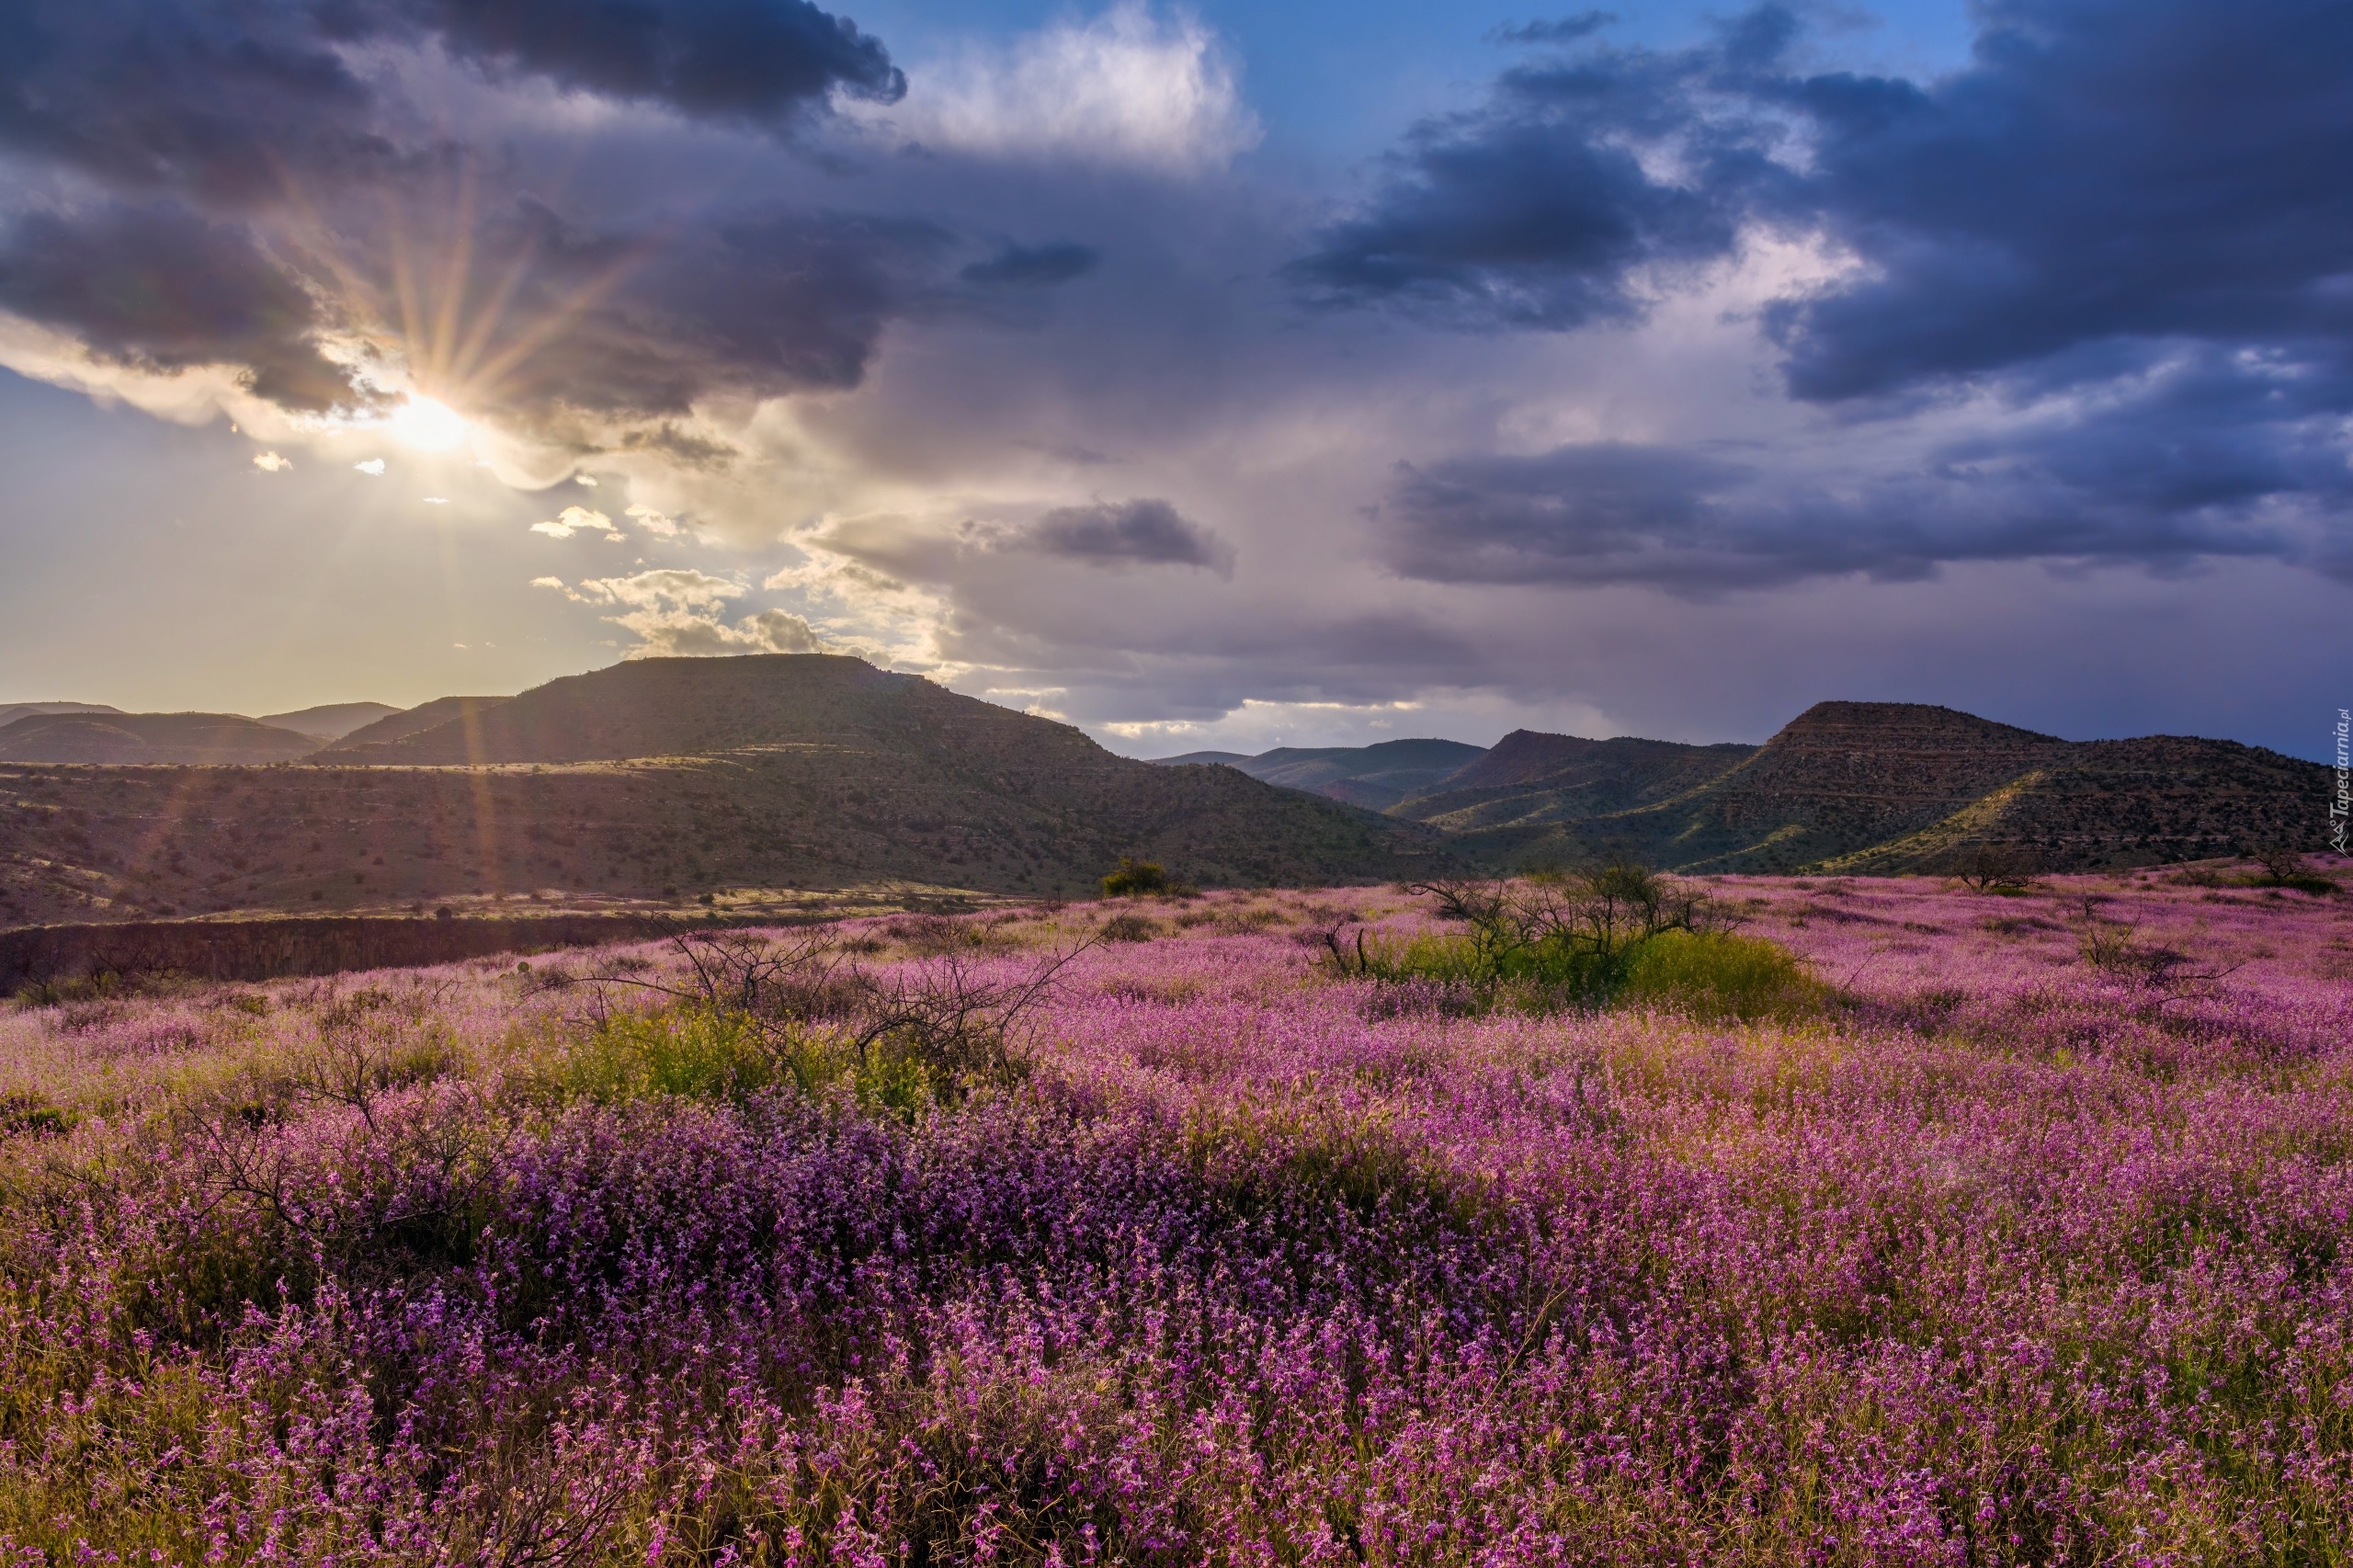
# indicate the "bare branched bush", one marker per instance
pixel 371 1041
pixel 1998 868
pixel 2284 867
pixel 947 1011
pixel 2114 947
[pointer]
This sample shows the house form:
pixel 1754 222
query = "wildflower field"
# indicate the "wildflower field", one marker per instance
pixel 1992 1228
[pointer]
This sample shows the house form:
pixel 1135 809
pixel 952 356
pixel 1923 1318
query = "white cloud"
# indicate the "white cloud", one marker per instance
pixel 654 522
pixel 373 467
pixel 674 611
pixel 672 634
pixel 436 500
pixel 681 587
pixel 270 463
pixel 584 479
pixel 572 520
pixel 1128 88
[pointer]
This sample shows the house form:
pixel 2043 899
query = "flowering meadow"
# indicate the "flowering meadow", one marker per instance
pixel 1141 1232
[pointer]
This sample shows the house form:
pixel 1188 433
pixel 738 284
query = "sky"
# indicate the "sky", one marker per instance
pixel 1215 377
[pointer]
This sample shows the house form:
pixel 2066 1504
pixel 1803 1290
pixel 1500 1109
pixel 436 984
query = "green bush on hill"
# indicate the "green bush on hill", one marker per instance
pixel 1134 876
pixel 1618 936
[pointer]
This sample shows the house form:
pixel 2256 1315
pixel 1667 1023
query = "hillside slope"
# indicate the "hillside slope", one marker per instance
pixel 12 711
pixel 851 777
pixel 1376 776
pixel 1530 779
pixel 698 706
pixel 1907 787
pixel 135 738
pixel 417 721
pixel 330 721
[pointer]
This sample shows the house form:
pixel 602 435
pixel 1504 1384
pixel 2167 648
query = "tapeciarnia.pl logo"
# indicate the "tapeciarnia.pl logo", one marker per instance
pixel 2342 807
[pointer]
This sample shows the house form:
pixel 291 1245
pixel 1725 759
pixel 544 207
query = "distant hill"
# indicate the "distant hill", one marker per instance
pixel 1905 787
pixel 12 711
pixel 1376 776
pixel 1201 759
pixel 1529 779
pixel 785 771
pixel 416 721
pixel 332 721
pixel 692 707
pixel 147 738
pixel 658 780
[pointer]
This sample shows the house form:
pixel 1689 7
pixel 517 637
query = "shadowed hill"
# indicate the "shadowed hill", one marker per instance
pixel 1376 776
pixel 139 738
pixel 417 721
pixel 696 707
pixel 1201 759
pixel 777 771
pixel 12 711
pixel 2106 803
pixel 1905 787
pixel 330 721
pixel 1529 779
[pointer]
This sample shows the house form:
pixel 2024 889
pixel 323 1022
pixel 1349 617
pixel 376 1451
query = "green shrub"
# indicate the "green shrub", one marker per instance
pixel 1134 876
pixel 703 1053
pixel 28 1115
pixel 1616 936
pixel 1715 974
pixel 692 1053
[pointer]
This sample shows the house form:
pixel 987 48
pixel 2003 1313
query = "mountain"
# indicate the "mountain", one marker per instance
pixel 1529 777
pixel 660 778
pixel 12 711
pixel 147 738
pixel 1201 759
pixel 1905 787
pixel 332 721
pixel 412 721
pixel 650 708
pixel 1376 776
pixel 648 784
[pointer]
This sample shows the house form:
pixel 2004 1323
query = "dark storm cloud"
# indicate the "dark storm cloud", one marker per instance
pixel 158 288
pixel 219 101
pixel 264 190
pixel 645 322
pixel 1586 512
pixel 1033 267
pixel 237 101
pixel 2104 171
pixel 1116 533
pixel 2135 214
pixel 757 61
pixel 1535 211
pixel 2149 488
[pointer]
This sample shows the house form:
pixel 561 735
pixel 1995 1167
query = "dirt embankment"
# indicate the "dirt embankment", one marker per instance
pixel 272 949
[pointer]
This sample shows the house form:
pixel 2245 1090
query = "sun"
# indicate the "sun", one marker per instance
pixel 426 425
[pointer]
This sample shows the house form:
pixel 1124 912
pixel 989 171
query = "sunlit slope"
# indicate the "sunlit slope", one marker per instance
pixel 834 778
pixel 1529 779
pixel 698 706
pixel 147 738
pixel 1905 787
